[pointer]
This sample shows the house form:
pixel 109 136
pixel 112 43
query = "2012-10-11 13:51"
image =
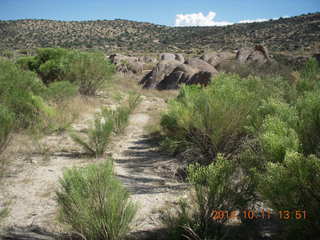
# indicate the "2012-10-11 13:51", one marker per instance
pixel 261 214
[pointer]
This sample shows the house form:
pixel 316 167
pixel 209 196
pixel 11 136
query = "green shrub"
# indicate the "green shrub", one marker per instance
pixel 107 122
pixel 6 127
pixel 3 214
pixel 277 138
pixel 98 136
pixel 51 71
pixel 309 124
pixel 46 54
pixel 120 118
pixel 213 119
pixel 310 76
pixel 267 130
pixel 311 69
pixel 274 107
pixel 7 53
pixel 28 63
pixel 214 190
pixel 49 63
pixel 90 71
pixel 134 100
pixel 17 91
pixel 262 70
pixel 61 91
pixel 294 185
pixel 94 202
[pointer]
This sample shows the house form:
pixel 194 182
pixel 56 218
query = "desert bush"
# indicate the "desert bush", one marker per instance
pixel 49 63
pixel 309 124
pixel 97 137
pixel 107 122
pixel 134 100
pixel 311 69
pixel 6 127
pixel 210 120
pixel 20 92
pixel 274 107
pixel 28 63
pixel 262 70
pixel 7 53
pixel 213 190
pixel 61 91
pixel 309 76
pixel 294 185
pixel 119 117
pixel 268 130
pixel 277 138
pixel 51 71
pixel 90 71
pixel 3 214
pixel 94 202
pixel 65 113
pixel 7 124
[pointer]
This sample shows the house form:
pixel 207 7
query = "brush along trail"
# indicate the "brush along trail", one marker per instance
pixel 29 186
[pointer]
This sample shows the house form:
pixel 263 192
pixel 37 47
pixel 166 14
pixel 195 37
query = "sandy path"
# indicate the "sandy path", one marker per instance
pixel 32 183
pixel 141 168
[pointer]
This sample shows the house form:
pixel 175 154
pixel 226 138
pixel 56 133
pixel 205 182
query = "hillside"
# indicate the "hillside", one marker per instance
pixel 301 33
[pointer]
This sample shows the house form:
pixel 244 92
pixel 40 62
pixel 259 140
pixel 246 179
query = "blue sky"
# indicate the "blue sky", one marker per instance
pixel 160 11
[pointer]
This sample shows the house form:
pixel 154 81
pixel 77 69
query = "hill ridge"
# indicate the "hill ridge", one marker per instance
pixel 299 33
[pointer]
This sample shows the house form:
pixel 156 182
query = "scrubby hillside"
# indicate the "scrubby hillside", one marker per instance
pixel 299 33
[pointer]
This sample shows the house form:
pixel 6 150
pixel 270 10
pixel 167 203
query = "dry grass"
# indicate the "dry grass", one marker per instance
pixel 164 94
pixel 153 125
pixel 25 144
pixel 3 165
pixel 69 111
pixel 19 146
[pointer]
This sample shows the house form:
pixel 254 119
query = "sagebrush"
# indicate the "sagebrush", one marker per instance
pixel 94 202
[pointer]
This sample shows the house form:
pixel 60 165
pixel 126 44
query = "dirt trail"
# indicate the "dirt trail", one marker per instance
pixel 142 169
pixel 32 182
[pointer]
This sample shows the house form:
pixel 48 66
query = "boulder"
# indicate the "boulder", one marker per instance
pixel 147 59
pixel 194 71
pixel 159 72
pixel 167 57
pixel 118 58
pixel 135 67
pixel 201 65
pixel 169 74
pixel 259 54
pixel 179 57
pixel 172 56
pixel 243 54
pixel 202 77
pixel 127 64
pixel 181 74
pixel 216 58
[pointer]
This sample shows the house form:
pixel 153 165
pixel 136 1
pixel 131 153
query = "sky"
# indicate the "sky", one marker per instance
pixel 164 12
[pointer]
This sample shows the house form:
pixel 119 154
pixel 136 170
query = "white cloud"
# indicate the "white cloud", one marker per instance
pixel 199 19
pixel 255 20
